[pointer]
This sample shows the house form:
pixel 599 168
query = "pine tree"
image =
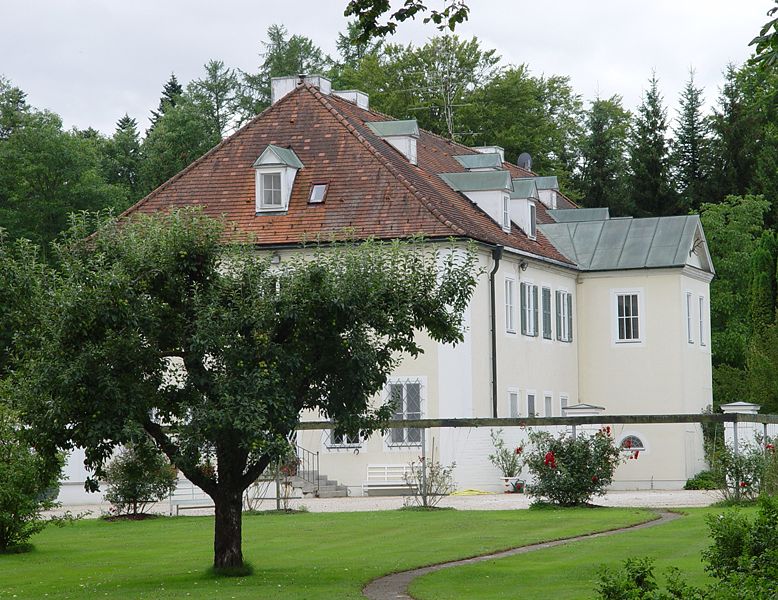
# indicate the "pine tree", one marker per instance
pixel 171 93
pixel 121 162
pixel 602 179
pixel 649 181
pixel 216 95
pixel 690 148
pixel 762 284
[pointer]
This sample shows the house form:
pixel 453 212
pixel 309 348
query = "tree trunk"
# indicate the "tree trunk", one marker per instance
pixel 227 531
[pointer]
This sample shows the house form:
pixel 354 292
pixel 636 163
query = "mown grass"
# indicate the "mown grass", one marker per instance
pixel 300 556
pixel 570 572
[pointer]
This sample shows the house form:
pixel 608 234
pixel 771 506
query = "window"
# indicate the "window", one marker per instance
pixel 563 402
pixel 513 403
pixel 343 440
pixel 271 190
pixel 632 442
pixel 510 306
pixel 701 301
pixel 546 307
pixel 564 316
pixel 506 213
pixel 627 318
pixel 318 191
pixel 406 398
pixel 547 401
pixel 689 335
pixel 529 309
pixel 532 220
pixel 530 404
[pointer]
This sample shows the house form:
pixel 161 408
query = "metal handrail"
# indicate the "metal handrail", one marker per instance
pixel 308 466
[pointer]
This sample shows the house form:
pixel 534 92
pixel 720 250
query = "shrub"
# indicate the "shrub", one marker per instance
pixel 139 476
pixel 28 486
pixel 428 481
pixel 569 471
pixel 704 480
pixel 749 472
pixel 507 460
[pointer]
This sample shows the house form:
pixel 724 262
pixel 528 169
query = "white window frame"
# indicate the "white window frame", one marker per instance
pixel 532 215
pixel 332 444
pixel 510 305
pixel 514 408
pixel 641 317
pixel 263 206
pixel 529 311
pixel 548 404
pixel 564 402
pixel 534 406
pixel 564 309
pixel 701 308
pixel 390 441
pixel 625 434
pixel 314 198
pixel 506 213
pixel 689 317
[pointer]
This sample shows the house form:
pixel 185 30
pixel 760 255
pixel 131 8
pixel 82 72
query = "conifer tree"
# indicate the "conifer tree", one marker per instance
pixel 649 181
pixel 602 179
pixel 690 147
pixel 762 284
pixel 216 95
pixel 170 96
pixel 121 160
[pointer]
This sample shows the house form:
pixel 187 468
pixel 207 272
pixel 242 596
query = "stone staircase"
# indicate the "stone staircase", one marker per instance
pixel 327 488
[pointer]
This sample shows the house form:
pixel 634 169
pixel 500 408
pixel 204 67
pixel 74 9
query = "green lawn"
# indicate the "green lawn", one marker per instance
pixel 296 556
pixel 571 571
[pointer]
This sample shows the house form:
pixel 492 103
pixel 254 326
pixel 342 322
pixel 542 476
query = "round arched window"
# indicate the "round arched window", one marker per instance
pixel 632 442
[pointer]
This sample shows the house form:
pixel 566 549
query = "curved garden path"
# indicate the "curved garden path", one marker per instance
pixel 395 586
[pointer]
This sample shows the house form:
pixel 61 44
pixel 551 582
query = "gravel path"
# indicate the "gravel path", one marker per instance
pixel 649 499
pixel 395 586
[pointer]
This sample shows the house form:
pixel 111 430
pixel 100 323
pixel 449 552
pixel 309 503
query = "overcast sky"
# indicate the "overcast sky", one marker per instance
pixel 93 60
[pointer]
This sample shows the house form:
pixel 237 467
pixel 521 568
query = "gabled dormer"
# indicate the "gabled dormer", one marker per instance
pixel 276 169
pixel 524 199
pixel 491 161
pixel 401 135
pixel 490 190
pixel 548 188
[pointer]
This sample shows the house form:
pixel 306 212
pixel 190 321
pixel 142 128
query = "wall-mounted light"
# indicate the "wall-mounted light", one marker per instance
pixel 523 265
pixel 275 258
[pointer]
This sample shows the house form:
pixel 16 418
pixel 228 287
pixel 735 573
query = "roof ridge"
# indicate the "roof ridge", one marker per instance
pixel 165 184
pixel 399 176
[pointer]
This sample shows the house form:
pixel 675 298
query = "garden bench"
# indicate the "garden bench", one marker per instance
pixel 188 495
pixel 386 478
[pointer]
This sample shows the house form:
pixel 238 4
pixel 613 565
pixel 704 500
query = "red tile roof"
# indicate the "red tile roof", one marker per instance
pixel 373 191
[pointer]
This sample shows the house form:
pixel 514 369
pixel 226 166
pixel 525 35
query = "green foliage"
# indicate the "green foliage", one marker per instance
pixel 28 484
pixel 748 473
pixel 217 97
pixel 704 480
pixel 568 470
pixel 634 581
pixel 507 460
pixel 766 51
pixel 171 92
pixel 13 108
pixel 602 180
pixel 140 475
pixel 369 12
pixel 428 481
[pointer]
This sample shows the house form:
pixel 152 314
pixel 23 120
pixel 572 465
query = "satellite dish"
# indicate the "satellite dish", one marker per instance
pixel 525 161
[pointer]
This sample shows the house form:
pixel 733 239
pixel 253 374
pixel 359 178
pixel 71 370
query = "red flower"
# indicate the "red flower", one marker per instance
pixel 743 484
pixel 550 460
pixel 628 443
pixel 770 447
pixel 595 479
pixel 520 449
pixel 608 429
pixel 635 454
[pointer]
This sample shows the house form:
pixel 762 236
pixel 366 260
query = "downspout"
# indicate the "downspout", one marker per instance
pixel 496 256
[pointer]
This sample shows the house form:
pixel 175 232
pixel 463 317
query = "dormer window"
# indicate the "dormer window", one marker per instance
pixel 506 213
pixel 401 135
pixel 276 169
pixel 533 223
pixel 270 190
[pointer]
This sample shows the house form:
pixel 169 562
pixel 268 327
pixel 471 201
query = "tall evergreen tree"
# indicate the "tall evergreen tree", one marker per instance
pixel 602 180
pixel 121 158
pixel 690 148
pixel 282 55
pixel 649 181
pixel 216 95
pixel 13 107
pixel 762 285
pixel 171 92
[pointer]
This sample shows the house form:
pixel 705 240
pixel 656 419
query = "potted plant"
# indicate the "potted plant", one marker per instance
pixel 508 461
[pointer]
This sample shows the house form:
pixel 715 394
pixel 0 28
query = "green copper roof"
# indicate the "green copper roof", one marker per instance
pixel 488 160
pixel 394 128
pixel 616 244
pixel 573 215
pixel 545 183
pixel 286 156
pixel 524 188
pixel 478 181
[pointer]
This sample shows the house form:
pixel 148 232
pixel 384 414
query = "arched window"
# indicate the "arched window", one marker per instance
pixel 632 442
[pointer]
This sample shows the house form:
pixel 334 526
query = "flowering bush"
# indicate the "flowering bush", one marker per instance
pixel 508 460
pixel 750 472
pixel 569 471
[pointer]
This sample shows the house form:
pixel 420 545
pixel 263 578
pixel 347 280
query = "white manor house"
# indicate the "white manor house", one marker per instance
pixel 576 309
